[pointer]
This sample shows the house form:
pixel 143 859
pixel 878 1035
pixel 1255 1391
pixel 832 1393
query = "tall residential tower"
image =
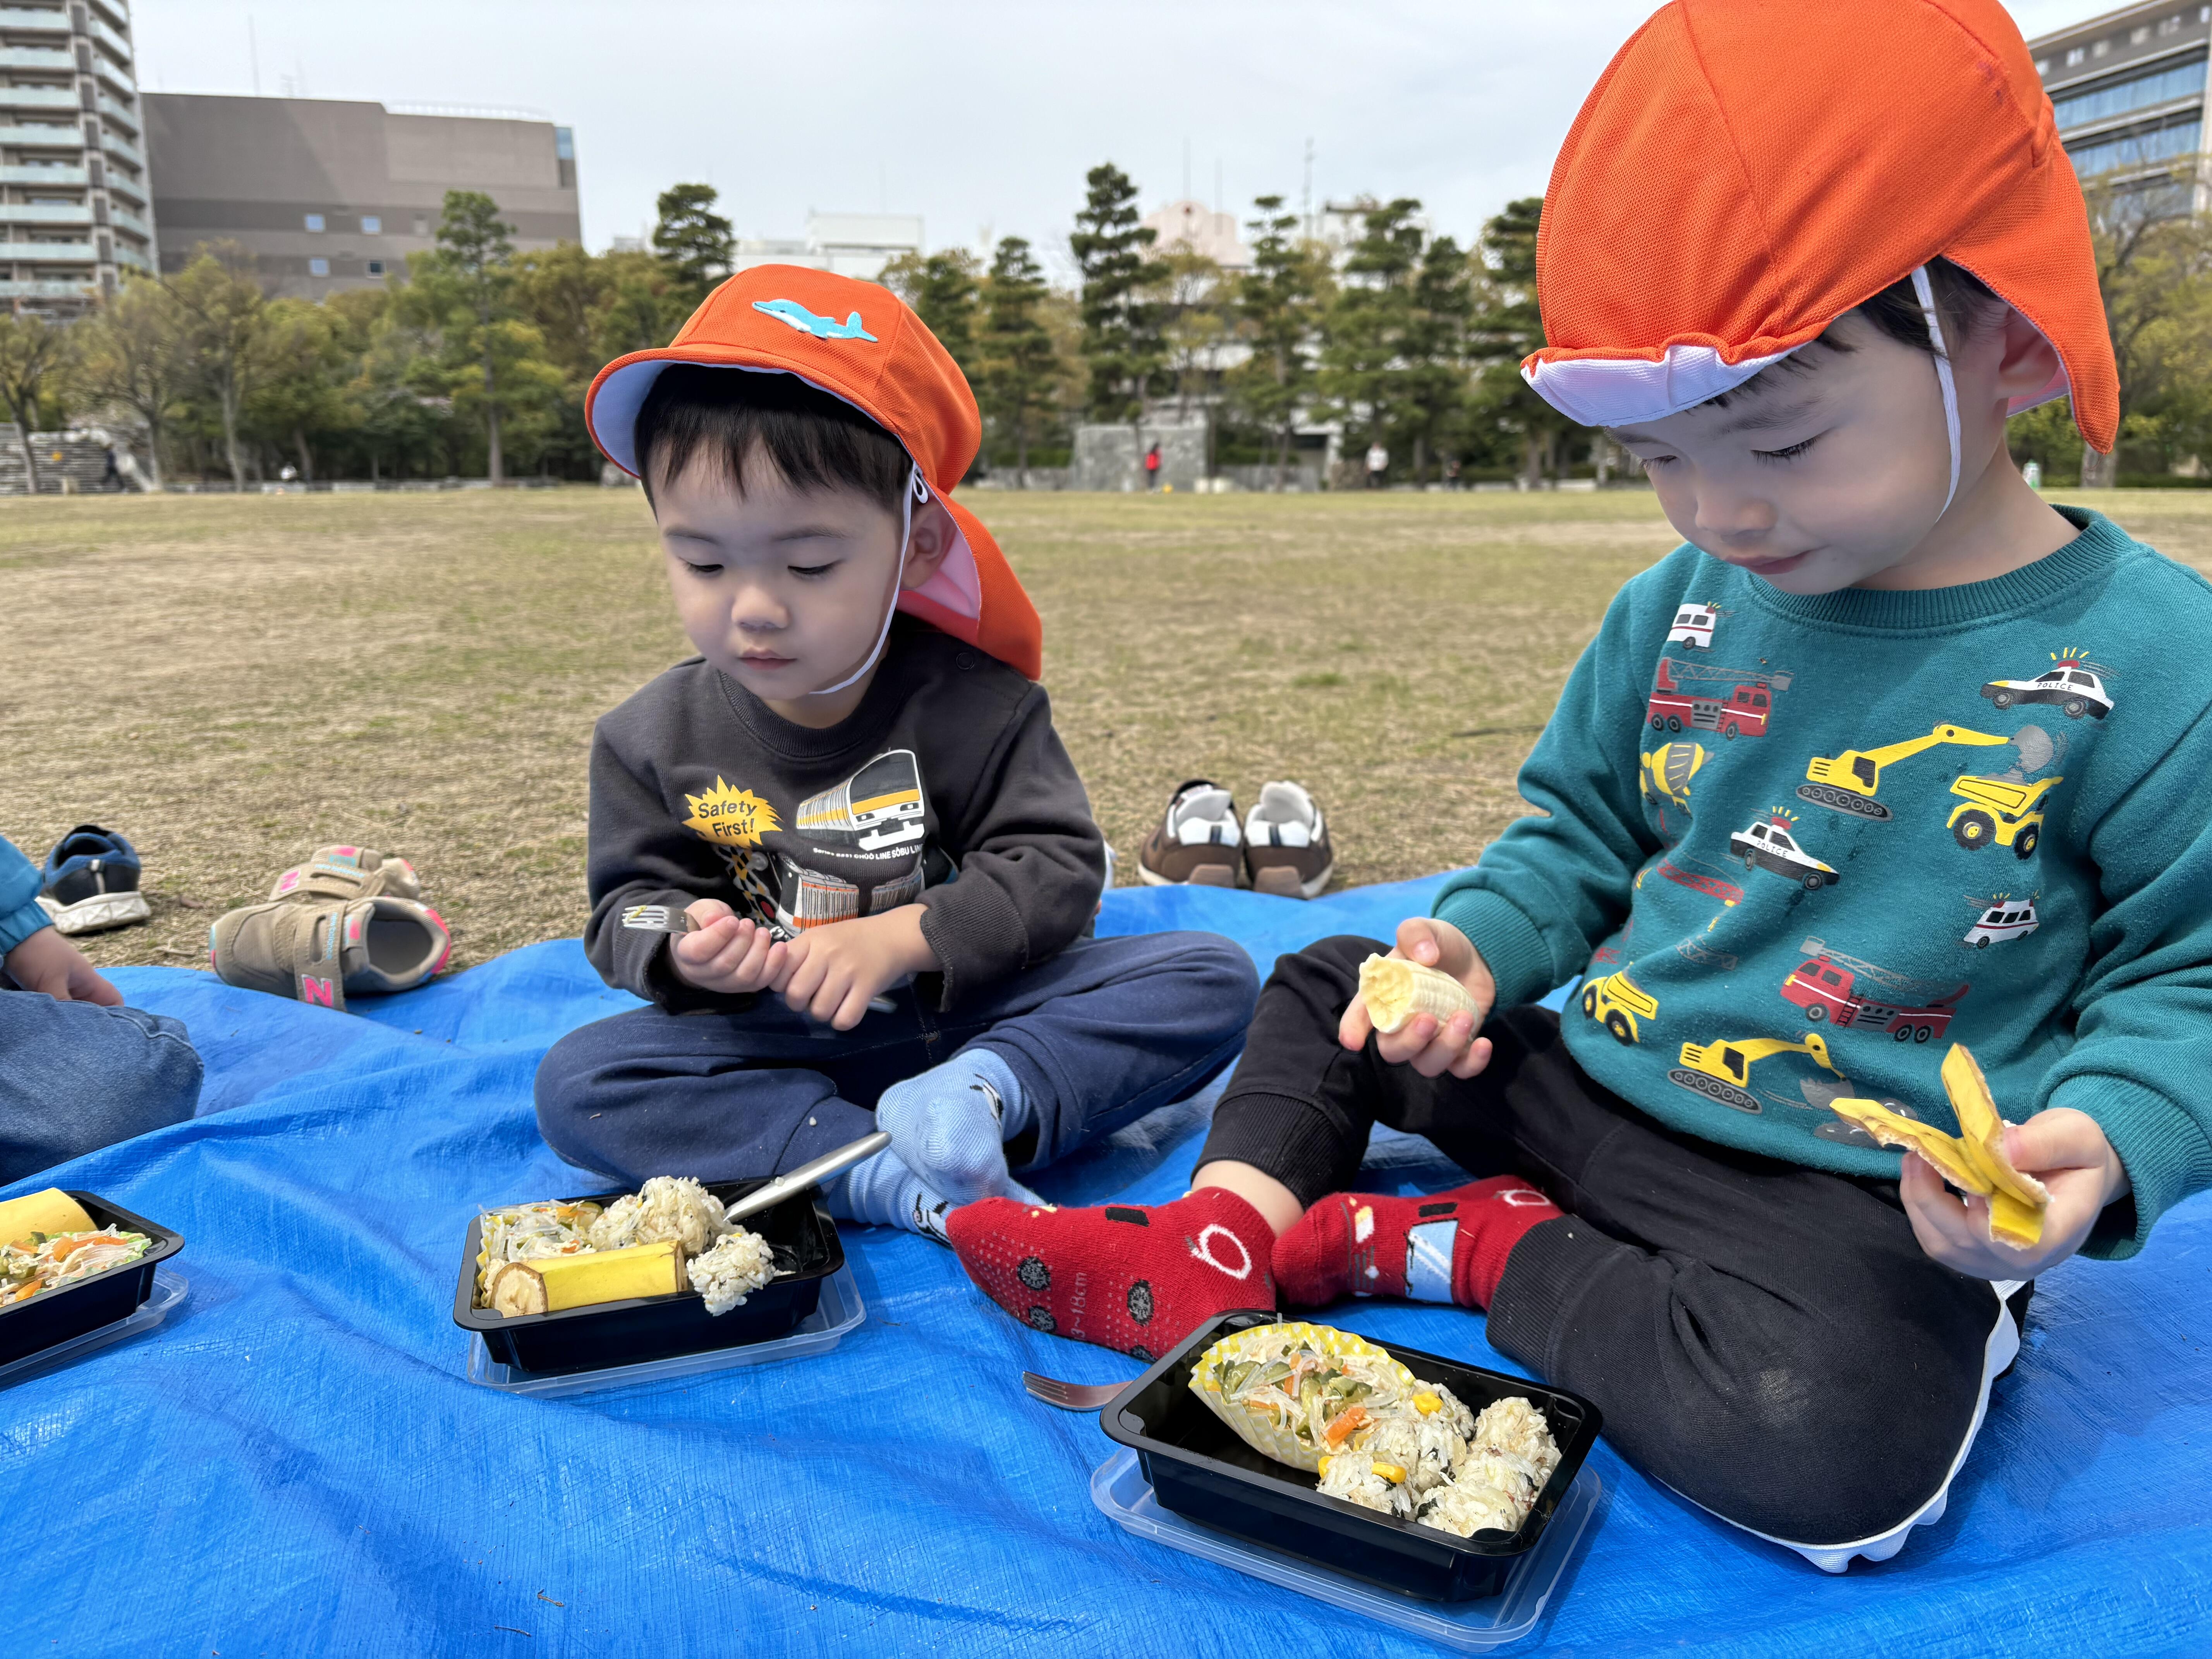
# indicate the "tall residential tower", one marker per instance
pixel 74 208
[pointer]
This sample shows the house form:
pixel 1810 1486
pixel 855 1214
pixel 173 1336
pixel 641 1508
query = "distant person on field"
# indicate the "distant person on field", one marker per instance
pixel 1809 318
pixel 855 794
pixel 1152 468
pixel 1379 463
pixel 78 1070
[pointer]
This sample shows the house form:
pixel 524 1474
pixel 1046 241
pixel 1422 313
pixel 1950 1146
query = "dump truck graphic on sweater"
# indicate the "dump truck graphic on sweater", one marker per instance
pixel 1737 702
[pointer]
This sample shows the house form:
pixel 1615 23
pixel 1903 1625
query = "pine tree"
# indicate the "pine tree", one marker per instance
pixel 1122 342
pixel 945 293
pixel 1279 306
pixel 1363 358
pixel 474 255
pixel 695 242
pixel 1436 379
pixel 1509 327
pixel 1017 349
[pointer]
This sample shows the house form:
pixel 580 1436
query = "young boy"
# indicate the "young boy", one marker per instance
pixel 856 793
pixel 1891 754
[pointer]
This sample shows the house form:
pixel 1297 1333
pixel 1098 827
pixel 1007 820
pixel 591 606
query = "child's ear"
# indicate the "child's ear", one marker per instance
pixel 930 541
pixel 2030 361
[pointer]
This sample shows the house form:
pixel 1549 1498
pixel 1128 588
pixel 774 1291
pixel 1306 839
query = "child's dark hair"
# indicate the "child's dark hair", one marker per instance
pixel 1963 305
pixel 698 412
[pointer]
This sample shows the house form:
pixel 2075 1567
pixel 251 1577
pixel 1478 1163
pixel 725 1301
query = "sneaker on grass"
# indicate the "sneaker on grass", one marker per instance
pixel 1195 843
pixel 319 952
pixel 1286 848
pixel 348 873
pixel 91 882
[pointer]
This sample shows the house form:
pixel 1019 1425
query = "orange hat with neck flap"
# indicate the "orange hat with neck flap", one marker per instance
pixel 1746 171
pixel 860 343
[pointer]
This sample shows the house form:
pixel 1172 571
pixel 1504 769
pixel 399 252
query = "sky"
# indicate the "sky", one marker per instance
pixel 982 116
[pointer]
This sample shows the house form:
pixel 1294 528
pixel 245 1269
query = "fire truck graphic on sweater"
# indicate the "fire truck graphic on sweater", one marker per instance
pixel 855 850
pixel 1737 702
pixel 1843 990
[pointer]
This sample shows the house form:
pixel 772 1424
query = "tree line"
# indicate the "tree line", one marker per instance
pixel 476 361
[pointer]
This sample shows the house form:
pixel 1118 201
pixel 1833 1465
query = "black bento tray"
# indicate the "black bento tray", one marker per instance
pixel 59 1315
pixel 1199 1469
pixel 807 1251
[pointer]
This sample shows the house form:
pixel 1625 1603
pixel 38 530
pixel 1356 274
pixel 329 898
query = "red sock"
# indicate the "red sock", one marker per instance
pixel 1134 1278
pixel 1446 1247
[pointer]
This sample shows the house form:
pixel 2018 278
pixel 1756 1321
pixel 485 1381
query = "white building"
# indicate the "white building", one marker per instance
pixel 850 244
pixel 1197 226
pixel 74 201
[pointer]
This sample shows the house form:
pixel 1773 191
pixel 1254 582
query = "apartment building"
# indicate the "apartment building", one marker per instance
pixel 2128 89
pixel 327 194
pixel 75 207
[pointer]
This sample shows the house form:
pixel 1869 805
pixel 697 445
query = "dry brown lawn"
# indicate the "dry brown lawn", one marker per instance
pixel 231 682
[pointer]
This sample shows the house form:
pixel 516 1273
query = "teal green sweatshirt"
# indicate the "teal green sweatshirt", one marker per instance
pixel 1799 846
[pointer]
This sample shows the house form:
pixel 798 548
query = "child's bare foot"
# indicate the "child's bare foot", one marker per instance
pixel 1446 1247
pixel 1134 1278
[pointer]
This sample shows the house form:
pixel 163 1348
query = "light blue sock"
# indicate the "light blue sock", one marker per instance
pixel 950 1125
pixel 884 1192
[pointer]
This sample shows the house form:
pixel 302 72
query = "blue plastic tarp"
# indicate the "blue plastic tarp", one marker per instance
pixel 295 1462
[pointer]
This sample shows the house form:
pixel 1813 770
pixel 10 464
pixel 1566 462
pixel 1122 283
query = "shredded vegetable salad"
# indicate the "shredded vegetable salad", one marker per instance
pixel 54 1260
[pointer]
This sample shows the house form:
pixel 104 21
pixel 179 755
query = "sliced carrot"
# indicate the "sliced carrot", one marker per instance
pixel 1346 1422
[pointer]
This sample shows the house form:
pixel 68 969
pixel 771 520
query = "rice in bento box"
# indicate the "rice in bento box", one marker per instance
pixel 666 1207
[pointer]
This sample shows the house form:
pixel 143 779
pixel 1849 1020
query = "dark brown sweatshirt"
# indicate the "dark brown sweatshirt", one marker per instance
pixel 947 786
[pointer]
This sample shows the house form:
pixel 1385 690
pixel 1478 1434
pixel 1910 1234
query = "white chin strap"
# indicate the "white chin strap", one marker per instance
pixel 1926 296
pixel 917 493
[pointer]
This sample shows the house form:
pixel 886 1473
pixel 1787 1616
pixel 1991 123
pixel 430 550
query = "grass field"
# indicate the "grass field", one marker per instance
pixel 231 682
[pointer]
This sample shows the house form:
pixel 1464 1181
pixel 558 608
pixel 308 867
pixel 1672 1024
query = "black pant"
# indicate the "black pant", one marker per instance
pixel 1768 1339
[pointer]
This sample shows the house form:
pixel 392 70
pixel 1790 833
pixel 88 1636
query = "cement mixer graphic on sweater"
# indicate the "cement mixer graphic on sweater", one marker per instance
pixel 1868 792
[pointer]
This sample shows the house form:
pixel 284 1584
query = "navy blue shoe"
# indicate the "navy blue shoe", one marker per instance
pixel 91 882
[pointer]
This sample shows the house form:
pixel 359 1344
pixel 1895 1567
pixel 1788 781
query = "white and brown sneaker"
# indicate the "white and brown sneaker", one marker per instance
pixel 1196 842
pixel 1286 848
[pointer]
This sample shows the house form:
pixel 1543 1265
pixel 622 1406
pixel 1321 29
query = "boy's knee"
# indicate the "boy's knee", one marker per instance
pixel 1226 971
pixel 565 1092
pixel 1823 1448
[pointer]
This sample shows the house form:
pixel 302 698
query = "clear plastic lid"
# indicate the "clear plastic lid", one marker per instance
pixel 1120 1491
pixel 839 1311
pixel 169 1289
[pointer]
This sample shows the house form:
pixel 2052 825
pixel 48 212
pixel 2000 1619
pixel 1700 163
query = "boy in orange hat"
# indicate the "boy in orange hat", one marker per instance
pixel 1890 754
pixel 851 806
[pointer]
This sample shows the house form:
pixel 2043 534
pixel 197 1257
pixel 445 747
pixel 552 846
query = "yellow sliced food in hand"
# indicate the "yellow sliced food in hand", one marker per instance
pixel 552 1283
pixel 1396 990
pixel 53 1211
pixel 1974 1161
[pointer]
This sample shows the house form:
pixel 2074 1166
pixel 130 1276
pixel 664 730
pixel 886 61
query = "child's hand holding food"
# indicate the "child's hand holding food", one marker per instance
pixel 2064 1149
pixel 836 970
pixel 1431 1046
pixel 726 953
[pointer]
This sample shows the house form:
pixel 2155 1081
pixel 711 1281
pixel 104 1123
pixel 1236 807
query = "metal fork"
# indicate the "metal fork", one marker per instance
pixel 665 919
pixel 1070 1396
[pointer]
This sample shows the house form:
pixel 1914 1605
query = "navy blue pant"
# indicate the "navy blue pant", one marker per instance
pixel 77 1076
pixel 1100 1035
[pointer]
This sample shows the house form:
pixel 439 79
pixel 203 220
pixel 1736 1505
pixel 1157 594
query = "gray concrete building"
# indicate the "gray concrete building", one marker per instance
pixel 2127 88
pixel 328 194
pixel 74 204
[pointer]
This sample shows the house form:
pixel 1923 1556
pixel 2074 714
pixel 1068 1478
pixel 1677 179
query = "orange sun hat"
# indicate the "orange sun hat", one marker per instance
pixel 862 345
pixel 1746 171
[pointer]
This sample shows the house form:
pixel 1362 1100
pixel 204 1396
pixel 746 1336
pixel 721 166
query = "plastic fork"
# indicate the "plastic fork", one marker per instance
pixel 666 919
pixel 1070 1396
